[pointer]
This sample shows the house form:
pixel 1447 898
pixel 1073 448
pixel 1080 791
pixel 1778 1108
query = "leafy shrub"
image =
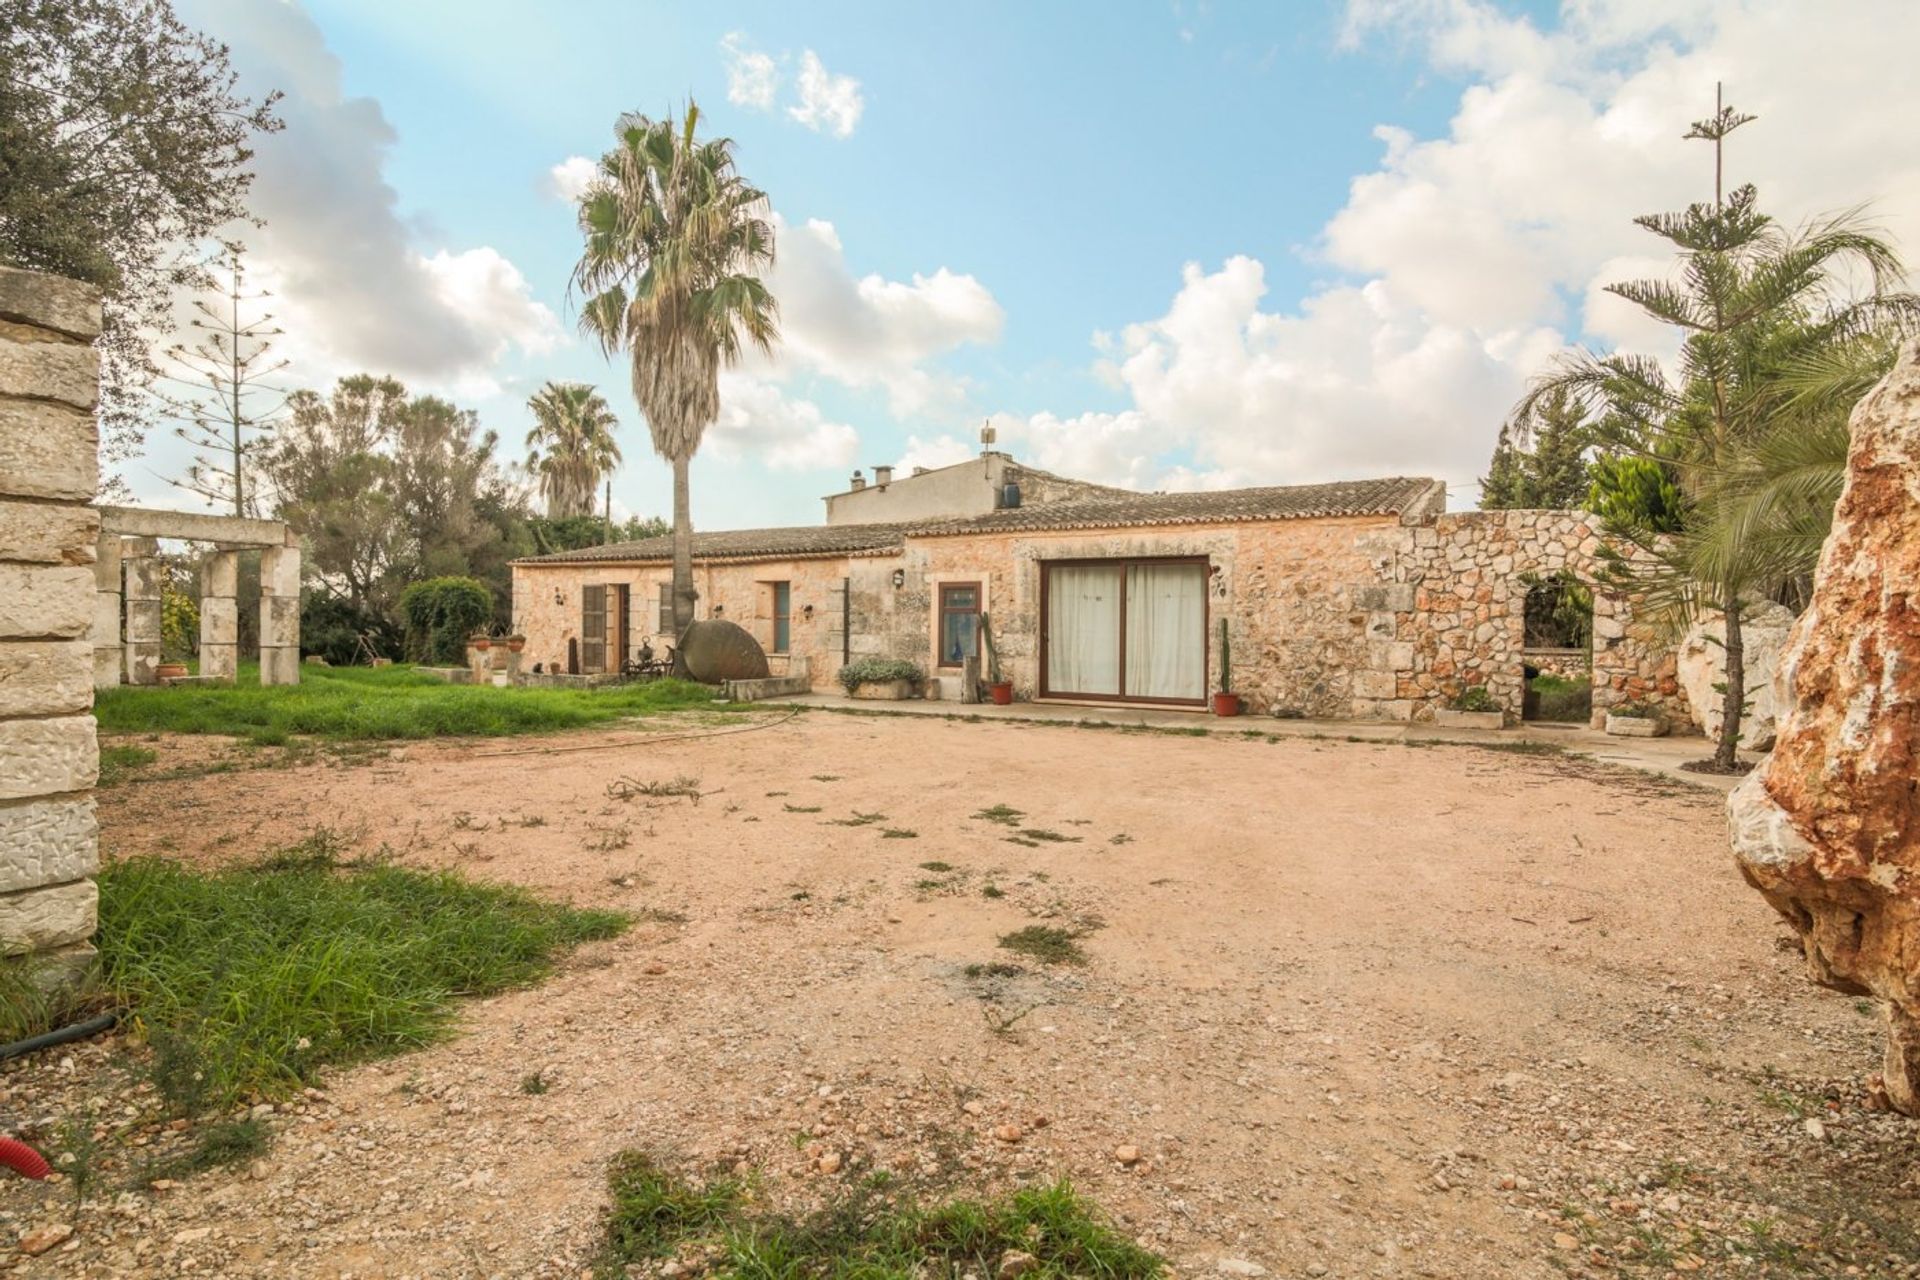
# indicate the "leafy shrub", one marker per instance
pixel 179 623
pixel 1475 698
pixel 332 627
pixel 878 671
pixel 440 614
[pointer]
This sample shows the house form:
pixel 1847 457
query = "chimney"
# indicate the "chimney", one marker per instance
pixel 919 471
pixel 859 482
pixel 883 476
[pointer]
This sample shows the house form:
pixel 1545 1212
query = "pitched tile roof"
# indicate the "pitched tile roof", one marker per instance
pixel 797 542
pixel 1220 506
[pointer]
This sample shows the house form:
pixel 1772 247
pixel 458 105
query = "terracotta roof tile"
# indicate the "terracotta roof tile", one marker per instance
pixel 744 544
pixel 1284 502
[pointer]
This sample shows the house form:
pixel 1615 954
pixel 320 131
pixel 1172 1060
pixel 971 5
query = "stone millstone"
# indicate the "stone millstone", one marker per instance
pixel 1828 829
pixel 719 650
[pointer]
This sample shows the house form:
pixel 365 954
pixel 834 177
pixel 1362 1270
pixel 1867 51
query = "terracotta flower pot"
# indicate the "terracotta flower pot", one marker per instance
pixel 482 643
pixel 516 644
pixel 1001 693
pixel 1226 704
pixel 170 670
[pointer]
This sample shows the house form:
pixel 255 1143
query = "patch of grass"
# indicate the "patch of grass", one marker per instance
pixel 534 1085
pixel 992 891
pixel 250 979
pixel 859 819
pixel 381 702
pixel 1046 943
pixel 33 1002
pixel 218 1145
pixel 826 777
pixel 1022 840
pixel 996 969
pixel 1005 815
pixel 118 762
pixel 899 833
pixel 869 1231
pixel 936 866
pixel 1042 834
pixel 1120 838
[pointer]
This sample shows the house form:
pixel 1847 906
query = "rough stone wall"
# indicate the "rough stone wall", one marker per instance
pixel 49 759
pixel 1457 616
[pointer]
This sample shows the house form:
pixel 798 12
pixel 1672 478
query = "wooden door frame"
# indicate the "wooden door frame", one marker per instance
pixel 1203 563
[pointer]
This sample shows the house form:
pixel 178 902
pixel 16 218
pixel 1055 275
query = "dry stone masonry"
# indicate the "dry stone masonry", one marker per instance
pixel 1828 829
pixel 49 759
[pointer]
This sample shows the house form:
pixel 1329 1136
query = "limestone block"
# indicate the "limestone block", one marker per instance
pixel 47 532
pixel 220 574
pixel 68 307
pixel 1398 598
pixel 107 672
pixel 41 919
pixel 105 632
pixel 280 620
pixel 144 576
pixel 142 621
pixel 280 571
pixel 48 451
pixel 1703 666
pixel 47 842
pixel 45 600
pixel 1374 684
pixel 219 661
pixel 1400 655
pixel 109 574
pixel 1828 828
pixel 47 757
pixel 219 620
pixel 279 664
pixel 45 677
pixel 142 661
pixel 57 371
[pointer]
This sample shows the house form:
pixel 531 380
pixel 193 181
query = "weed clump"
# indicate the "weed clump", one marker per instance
pixel 1046 943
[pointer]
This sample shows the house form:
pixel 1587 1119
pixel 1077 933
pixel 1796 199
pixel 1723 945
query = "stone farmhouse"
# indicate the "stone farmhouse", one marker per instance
pixel 1356 600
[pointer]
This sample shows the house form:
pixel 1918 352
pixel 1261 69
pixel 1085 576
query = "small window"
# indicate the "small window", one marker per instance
pixel 782 616
pixel 959 622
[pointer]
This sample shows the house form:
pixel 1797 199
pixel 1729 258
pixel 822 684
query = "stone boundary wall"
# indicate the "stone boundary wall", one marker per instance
pixel 1454 617
pixel 49 758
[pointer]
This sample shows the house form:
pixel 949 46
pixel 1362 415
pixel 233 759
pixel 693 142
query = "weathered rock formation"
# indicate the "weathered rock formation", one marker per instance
pixel 1702 667
pixel 1829 827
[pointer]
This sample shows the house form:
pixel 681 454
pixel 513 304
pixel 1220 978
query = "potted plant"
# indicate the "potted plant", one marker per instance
pixel 1000 690
pixel 1635 720
pixel 885 679
pixel 481 641
pixel 170 671
pixel 516 644
pixel 1472 708
pixel 1225 701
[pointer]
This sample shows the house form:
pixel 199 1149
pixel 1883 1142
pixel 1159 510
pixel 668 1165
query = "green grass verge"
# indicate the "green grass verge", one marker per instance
pixel 382 702
pixel 250 980
pixel 867 1233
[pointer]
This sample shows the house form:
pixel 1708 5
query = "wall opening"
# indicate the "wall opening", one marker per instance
pixel 1557 652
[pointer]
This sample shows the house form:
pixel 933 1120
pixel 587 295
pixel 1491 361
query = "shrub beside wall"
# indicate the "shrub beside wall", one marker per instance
pixel 440 614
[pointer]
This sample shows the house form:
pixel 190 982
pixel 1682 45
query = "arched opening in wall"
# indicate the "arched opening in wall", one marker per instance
pixel 1557 652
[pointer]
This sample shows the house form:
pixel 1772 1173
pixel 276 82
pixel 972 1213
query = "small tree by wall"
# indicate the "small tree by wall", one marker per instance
pixel 441 614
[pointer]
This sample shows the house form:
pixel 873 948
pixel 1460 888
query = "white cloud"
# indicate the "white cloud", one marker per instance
pixel 870 331
pixel 1468 255
pixel 570 179
pixel 758 422
pixel 352 288
pixel 827 101
pixel 752 77
pixel 940 451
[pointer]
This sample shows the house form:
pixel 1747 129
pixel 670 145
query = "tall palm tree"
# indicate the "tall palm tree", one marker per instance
pixel 1762 310
pixel 574 426
pixel 673 239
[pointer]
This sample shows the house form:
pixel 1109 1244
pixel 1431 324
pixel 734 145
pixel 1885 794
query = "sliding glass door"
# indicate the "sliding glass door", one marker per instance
pixel 1126 630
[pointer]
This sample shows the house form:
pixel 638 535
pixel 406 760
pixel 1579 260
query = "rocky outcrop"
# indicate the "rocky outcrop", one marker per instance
pixel 1829 827
pixel 1764 628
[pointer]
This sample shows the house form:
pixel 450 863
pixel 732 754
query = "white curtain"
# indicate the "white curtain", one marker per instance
pixel 1167 631
pixel 1083 629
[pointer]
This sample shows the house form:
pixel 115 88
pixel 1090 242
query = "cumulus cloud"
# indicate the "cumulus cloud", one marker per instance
pixel 1465 260
pixel 760 423
pixel 828 102
pixel 870 331
pixel 570 179
pixel 752 76
pixel 352 288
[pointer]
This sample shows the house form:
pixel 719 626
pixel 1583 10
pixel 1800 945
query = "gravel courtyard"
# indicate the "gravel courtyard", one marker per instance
pixel 1347 1009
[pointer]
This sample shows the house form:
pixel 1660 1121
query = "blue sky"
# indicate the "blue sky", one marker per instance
pixel 1165 245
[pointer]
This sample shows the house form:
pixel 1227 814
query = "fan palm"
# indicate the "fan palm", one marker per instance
pixel 1775 340
pixel 571 446
pixel 673 239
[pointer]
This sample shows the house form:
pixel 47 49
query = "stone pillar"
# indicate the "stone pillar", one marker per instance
pixel 107 658
pixel 140 562
pixel 220 616
pixel 49 760
pixel 280 614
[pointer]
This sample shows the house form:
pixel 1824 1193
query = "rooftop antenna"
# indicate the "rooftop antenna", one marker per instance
pixel 1714 129
pixel 987 435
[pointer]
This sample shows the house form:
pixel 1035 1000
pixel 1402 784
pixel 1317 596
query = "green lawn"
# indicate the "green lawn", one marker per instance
pixel 380 702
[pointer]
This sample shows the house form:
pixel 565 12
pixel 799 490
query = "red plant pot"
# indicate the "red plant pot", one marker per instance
pixel 516 644
pixel 481 643
pixel 1002 693
pixel 1226 704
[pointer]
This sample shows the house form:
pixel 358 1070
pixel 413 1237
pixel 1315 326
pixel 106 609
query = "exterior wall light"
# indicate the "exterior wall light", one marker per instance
pixel 559 596
pixel 899 579
pixel 806 611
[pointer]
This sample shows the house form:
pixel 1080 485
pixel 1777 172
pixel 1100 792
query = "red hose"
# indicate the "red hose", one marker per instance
pixel 23 1159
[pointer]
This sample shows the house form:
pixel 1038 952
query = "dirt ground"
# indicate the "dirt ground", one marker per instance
pixel 1363 1010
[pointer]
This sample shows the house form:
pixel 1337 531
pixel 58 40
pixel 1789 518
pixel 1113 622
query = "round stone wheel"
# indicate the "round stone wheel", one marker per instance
pixel 718 650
